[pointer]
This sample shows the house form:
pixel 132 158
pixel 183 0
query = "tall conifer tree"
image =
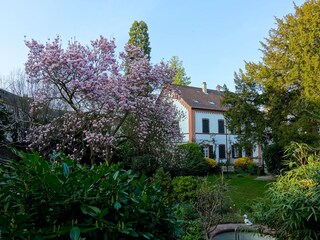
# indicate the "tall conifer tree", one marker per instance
pixel 139 37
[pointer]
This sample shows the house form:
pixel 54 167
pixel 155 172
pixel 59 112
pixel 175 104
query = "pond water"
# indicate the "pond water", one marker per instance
pixel 242 236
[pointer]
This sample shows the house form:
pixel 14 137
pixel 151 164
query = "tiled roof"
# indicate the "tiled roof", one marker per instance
pixel 197 99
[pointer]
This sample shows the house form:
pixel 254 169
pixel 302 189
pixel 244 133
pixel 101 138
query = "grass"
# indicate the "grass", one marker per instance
pixel 243 190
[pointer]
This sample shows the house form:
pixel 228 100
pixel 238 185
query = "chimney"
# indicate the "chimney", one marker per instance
pixel 204 87
pixel 218 88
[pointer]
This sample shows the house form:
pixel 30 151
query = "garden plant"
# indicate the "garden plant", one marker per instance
pixel 61 198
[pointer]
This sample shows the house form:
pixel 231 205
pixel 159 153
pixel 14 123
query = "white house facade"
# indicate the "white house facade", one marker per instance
pixel 204 123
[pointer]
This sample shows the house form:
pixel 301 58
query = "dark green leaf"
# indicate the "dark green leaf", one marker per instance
pixel 66 169
pixel 115 175
pixel 75 233
pixel 117 205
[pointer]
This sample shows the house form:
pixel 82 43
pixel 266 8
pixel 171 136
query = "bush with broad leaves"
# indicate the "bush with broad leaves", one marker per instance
pixel 62 199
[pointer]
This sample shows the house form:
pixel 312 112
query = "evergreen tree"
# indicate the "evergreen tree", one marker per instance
pixel 284 87
pixel 291 54
pixel 139 37
pixel 180 78
pixel 245 116
pixel 290 75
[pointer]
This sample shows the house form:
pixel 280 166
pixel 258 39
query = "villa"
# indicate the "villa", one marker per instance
pixel 204 124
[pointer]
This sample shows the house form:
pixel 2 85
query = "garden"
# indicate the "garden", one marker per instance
pixel 102 154
pixel 60 198
pixel 63 199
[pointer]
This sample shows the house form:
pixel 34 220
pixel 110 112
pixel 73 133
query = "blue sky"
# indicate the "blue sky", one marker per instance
pixel 213 38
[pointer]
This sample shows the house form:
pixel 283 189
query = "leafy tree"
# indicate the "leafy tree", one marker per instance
pixel 101 99
pixel 180 78
pixel 245 115
pixel 286 98
pixel 289 74
pixel 139 37
pixel 291 53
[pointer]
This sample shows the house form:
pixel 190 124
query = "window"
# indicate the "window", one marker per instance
pixel 236 151
pixel 221 126
pixel 205 125
pixel 205 150
pixel 211 153
pixel 208 151
pixel 222 151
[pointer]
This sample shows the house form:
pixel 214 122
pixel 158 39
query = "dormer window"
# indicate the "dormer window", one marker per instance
pixel 211 102
pixel 196 101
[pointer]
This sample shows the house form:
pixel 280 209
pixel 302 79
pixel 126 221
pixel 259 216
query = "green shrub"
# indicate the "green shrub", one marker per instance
pixel 184 188
pixel 193 231
pixel 186 212
pixel 273 156
pixel 191 227
pixel 145 164
pixel 253 168
pixel 187 161
pixel 164 180
pixel 292 205
pixel 50 200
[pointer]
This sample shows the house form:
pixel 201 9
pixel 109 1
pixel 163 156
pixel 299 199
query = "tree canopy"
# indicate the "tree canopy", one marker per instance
pixel 285 84
pixel 139 37
pixel 100 99
pixel 291 59
pixel 180 77
pixel 244 116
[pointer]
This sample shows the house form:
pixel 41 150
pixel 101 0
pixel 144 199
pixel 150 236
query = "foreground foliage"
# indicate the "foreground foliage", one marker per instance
pixel 52 200
pixel 292 206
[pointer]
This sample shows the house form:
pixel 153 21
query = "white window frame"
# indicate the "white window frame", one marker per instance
pixel 206 151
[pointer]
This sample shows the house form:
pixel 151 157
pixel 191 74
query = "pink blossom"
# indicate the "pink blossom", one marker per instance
pixel 101 93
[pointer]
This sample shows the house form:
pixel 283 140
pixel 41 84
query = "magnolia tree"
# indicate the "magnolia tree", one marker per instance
pixel 108 100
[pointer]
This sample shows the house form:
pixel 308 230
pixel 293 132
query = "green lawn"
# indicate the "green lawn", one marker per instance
pixel 243 190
